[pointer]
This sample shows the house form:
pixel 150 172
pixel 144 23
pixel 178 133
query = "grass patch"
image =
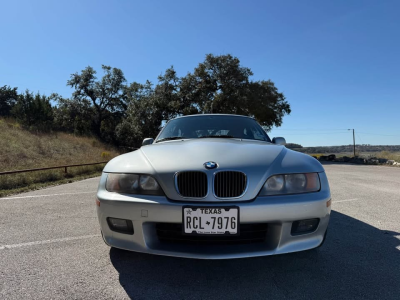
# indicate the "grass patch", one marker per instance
pixel 387 154
pixel 382 154
pixel 15 181
pixel 41 185
pixel 22 149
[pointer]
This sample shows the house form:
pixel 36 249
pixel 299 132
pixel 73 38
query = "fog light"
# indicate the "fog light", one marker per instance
pixel 304 226
pixel 120 225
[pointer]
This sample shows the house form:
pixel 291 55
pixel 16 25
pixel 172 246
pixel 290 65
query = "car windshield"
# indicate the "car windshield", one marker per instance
pixel 213 127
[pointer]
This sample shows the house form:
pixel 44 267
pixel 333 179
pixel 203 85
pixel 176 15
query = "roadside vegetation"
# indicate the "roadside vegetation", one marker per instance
pixel 123 114
pixel 51 130
pixel 384 154
pixel 23 149
pixel 380 154
pixel 362 149
pixel 388 155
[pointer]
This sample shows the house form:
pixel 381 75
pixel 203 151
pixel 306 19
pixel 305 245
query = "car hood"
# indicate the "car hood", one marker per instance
pixel 257 159
pixel 227 153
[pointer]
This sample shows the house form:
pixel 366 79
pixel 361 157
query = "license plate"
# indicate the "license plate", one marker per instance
pixel 211 220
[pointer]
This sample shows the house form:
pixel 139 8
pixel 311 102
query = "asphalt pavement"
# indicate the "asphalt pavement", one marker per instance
pixel 50 248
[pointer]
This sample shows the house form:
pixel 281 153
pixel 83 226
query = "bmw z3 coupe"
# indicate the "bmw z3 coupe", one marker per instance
pixel 214 187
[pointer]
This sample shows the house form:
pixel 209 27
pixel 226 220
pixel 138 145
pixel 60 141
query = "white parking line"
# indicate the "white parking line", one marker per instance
pixel 50 195
pixel 355 199
pixel 49 241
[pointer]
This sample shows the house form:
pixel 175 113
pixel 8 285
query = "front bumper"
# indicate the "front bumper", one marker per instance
pixel 279 212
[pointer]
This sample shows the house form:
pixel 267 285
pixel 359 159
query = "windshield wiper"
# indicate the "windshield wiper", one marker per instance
pixel 217 136
pixel 171 138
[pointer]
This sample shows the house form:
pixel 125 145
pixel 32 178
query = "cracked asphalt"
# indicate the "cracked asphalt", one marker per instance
pixel 50 248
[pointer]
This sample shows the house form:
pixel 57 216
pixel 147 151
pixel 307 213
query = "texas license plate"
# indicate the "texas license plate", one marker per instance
pixel 211 220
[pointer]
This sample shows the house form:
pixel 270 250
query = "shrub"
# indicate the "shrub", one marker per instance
pixel 106 155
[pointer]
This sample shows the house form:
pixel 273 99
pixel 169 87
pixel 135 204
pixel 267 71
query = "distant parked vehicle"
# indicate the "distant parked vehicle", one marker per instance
pixel 214 186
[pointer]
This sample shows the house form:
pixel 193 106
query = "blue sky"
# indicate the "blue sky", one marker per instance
pixel 337 62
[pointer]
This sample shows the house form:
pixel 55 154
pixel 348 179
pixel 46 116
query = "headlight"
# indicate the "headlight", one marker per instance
pixel 133 184
pixel 291 184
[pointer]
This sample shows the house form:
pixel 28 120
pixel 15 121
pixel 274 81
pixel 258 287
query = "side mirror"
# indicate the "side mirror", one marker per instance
pixel 147 141
pixel 279 141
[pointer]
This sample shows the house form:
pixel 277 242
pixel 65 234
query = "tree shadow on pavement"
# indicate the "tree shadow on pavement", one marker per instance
pixel 356 261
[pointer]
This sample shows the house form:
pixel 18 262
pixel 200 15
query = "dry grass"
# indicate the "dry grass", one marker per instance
pixel 35 183
pixel 386 154
pixel 382 154
pixel 21 149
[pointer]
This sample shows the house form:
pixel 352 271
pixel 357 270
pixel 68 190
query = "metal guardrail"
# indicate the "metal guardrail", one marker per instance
pixel 65 167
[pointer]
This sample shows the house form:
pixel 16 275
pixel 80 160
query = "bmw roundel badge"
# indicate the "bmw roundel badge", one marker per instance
pixel 210 165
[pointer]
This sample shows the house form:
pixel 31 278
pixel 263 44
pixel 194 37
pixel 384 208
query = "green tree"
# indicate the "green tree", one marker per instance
pixel 217 85
pixel 34 111
pixel 221 85
pixel 72 115
pixel 106 96
pixel 143 116
pixel 149 105
pixel 8 98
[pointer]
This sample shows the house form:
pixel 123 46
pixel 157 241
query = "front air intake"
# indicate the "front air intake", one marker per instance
pixel 249 234
pixel 191 184
pixel 229 184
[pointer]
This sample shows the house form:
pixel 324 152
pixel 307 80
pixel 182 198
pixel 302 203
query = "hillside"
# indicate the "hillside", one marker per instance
pixel 22 149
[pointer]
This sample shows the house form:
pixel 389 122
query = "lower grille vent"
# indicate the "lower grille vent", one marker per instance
pixel 249 234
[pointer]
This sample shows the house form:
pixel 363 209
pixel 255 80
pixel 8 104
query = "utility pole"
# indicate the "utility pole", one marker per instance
pixel 354 143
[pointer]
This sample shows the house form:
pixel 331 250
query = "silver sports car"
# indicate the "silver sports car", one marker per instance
pixel 213 187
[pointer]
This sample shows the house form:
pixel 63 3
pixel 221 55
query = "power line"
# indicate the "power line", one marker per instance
pixel 358 137
pixel 367 133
